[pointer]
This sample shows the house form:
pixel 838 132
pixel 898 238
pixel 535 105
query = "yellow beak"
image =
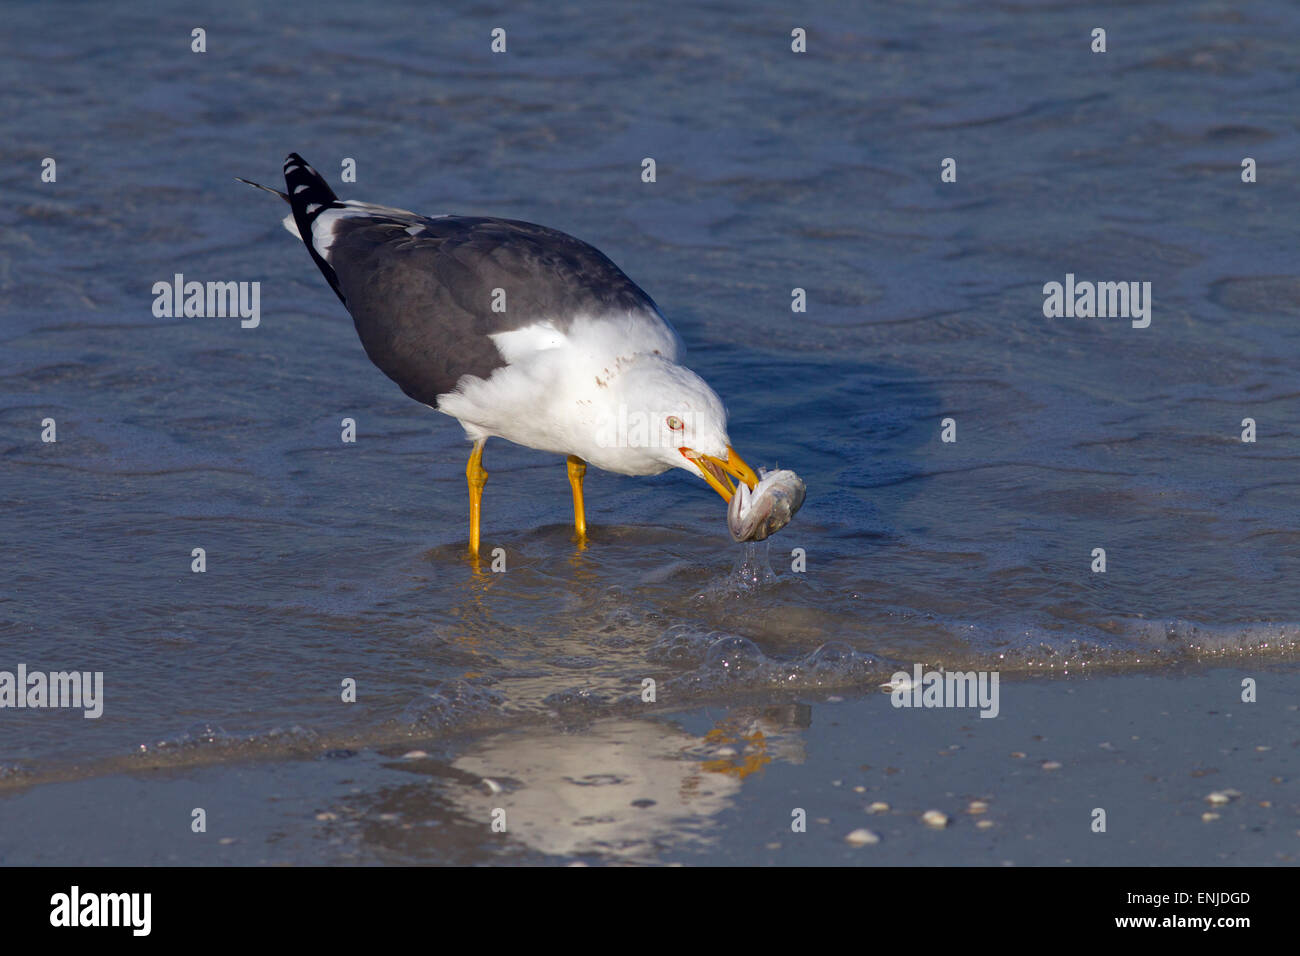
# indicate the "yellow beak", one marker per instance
pixel 716 471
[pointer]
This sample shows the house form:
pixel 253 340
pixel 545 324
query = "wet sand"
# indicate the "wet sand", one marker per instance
pixel 718 785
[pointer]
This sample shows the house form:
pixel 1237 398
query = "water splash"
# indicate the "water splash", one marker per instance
pixel 751 574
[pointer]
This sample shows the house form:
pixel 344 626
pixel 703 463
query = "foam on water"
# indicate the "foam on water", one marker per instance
pixel 211 737
pixel 450 703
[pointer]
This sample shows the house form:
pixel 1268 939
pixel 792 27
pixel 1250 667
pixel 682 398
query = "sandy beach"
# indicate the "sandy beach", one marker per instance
pixel 1186 773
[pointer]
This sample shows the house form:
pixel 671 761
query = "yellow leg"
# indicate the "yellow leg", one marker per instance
pixel 577 469
pixel 477 478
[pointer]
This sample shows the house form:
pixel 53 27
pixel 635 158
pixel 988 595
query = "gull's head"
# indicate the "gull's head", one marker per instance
pixel 662 415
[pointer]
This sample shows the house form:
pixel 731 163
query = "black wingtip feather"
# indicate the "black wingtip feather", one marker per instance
pixel 307 189
pixel 309 195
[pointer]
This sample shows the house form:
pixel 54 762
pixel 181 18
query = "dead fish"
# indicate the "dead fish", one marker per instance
pixel 754 515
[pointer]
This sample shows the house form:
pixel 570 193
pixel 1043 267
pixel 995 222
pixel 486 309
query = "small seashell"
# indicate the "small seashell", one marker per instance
pixel 1219 798
pixel 935 818
pixel 977 806
pixel 878 807
pixel 862 837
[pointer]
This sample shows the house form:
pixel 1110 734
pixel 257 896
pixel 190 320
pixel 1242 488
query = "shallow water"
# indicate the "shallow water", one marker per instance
pixel 328 561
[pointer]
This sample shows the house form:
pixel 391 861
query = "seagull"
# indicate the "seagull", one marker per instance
pixel 518 332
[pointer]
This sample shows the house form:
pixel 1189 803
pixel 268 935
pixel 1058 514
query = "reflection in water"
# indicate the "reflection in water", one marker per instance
pixel 625 789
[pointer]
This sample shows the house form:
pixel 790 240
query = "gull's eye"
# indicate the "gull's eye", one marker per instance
pixel 675 423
